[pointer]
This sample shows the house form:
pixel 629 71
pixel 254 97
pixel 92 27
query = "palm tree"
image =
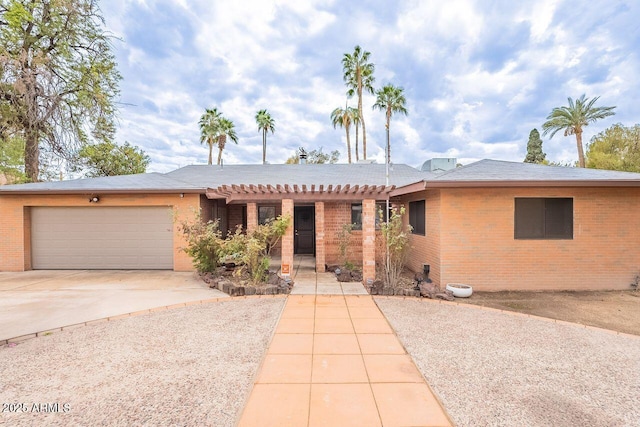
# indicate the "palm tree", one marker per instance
pixel 358 75
pixel 209 129
pixel 355 120
pixel 390 99
pixel 573 118
pixel 226 128
pixel 265 124
pixel 342 117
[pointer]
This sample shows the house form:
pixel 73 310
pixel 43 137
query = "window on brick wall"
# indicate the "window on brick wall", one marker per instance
pixel 543 218
pixel 417 217
pixel 266 214
pixel 356 214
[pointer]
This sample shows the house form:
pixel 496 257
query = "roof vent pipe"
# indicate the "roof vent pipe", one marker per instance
pixel 302 154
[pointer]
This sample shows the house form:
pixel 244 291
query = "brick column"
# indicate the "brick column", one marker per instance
pixel 252 217
pixel 368 240
pixel 287 239
pixel 320 253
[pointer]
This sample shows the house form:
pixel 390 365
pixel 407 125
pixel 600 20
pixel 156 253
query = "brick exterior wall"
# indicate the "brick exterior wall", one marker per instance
pixel 425 249
pixel 15 227
pixel 234 216
pixel 477 244
pixel 337 214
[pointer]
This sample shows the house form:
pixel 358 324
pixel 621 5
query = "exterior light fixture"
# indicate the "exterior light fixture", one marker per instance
pixel 94 199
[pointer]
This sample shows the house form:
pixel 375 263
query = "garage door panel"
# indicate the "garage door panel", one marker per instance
pixel 102 238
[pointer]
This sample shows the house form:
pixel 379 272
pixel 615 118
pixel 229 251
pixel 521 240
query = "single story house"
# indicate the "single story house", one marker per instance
pixel 495 225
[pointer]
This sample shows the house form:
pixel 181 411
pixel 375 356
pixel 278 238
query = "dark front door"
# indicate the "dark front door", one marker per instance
pixel 304 241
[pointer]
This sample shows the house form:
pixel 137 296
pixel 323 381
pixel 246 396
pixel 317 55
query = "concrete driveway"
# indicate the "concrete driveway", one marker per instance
pixel 34 301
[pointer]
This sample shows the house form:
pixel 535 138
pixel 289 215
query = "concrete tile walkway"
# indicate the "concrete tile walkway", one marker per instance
pixel 335 361
pixel 308 282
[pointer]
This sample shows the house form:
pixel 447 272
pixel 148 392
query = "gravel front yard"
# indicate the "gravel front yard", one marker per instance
pixel 498 369
pixel 186 366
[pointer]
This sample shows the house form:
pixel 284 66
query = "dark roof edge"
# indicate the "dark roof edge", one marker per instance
pixel 534 183
pixel 112 191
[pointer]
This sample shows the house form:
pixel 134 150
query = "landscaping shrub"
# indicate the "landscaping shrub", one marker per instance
pixel 204 243
pixel 395 240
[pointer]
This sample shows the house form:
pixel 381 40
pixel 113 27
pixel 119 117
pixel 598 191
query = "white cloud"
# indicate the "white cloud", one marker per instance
pixel 477 78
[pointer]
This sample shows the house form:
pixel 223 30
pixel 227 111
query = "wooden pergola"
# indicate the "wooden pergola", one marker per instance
pixel 242 193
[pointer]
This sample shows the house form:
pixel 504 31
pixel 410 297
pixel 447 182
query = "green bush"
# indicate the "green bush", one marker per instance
pixel 204 243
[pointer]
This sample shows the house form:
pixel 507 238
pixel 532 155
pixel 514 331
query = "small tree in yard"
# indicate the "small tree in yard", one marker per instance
pixel 396 242
pixel 344 240
pixel 253 251
pixel 204 243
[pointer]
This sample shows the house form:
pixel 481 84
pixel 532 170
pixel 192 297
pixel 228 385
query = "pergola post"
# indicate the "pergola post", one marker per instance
pixel 252 217
pixel 368 240
pixel 320 250
pixel 286 266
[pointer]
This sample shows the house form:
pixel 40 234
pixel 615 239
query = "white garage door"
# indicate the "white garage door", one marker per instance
pixel 101 238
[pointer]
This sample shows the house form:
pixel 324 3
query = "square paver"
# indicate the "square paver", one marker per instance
pixel 359 301
pixel 372 326
pixel 380 344
pixel 353 289
pixel 365 313
pixel 335 344
pixel 333 326
pixel 330 301
pixel 408 405
pixel 338 368
pixel 291 344
pixel 286 369
pixel 328 289
pixel 301 301
pixel 292 406
pixel 332 312
pixel 295 326
pixel 303 290
pixel 298 312
pixel 342 405
pixel 391 368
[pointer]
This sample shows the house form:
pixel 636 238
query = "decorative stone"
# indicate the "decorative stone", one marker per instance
pixel 249 290
pixel 377 287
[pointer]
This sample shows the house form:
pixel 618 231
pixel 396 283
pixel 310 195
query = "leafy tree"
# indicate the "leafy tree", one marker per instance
pixel 343 117
pixel 109 159
pixel 390 99
pixel 534 148
pixel 265 124
pixel 314 157
pixel 615 148
pixel 12 161
pixel 59 79
pixel 358 75
pixel 573 118
pixel 214 130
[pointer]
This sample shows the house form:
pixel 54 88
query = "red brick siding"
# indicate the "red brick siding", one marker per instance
pixel 336 214
pixel 425 249
pixel 478 245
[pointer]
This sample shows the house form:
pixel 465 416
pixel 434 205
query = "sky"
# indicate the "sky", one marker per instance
pixel 478 76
